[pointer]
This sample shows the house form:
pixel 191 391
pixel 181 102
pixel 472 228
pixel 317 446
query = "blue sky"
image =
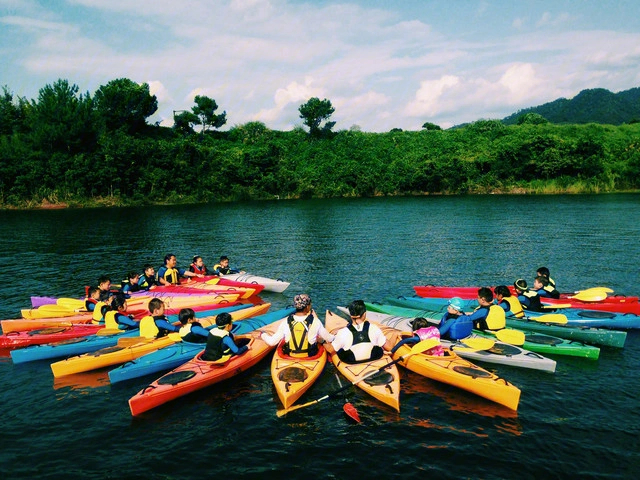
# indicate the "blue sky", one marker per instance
pixel 382 64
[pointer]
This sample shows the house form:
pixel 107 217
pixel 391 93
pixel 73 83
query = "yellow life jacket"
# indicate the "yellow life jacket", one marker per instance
pixel 97 316
pixel 148 328
pixel 298 344
pixel 110 319
pixel 171 276
pixel 515 306
pixel 496 319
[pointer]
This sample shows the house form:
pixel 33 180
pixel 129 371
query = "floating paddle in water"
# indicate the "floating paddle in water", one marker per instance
pixel 348 407
pixel 417 348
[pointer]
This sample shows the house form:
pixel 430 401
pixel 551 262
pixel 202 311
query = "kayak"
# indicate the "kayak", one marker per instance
pixel 534 342
pixel 111 355
pixel 216 280
pixel 534 321
pixel 173 356
pixel 384 386
pixel 270 284
pixel 293 376
pixel 78 346
pixel 458 372
pixel 23 339
pixel 197 374
pixel 617 303
pixel 500 353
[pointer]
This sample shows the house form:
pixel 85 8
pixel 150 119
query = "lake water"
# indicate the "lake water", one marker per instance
pixel 581 422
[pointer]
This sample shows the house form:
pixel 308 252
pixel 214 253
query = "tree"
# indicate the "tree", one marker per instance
pixel 532 119
pixel 431 126
pixel 205 109
pixel 314 112
pixel 124 104
pixel 12 112
pixel 185 121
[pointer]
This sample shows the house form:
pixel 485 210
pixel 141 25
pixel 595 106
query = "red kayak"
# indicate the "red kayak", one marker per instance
pixel 23 339
pixel 612 303
pixel 215 280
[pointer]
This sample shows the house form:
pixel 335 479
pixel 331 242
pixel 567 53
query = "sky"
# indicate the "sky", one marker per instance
pixel 381 64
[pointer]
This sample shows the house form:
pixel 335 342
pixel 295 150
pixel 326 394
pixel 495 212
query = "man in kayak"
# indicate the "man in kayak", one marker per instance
pixel 301 331
pixel 223 268
pixel 451 326
pixel 360 341
pixel 156 325
pixel 169 274
pixel 486 316
pixel 220 342
pixel 191 330
pixel 528 298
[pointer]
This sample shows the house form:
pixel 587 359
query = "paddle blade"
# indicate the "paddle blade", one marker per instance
pixel 585 296
pixel 478 343
pixel 351 412
pixel 423 346
pixel 507 335
pixel 108 331
pixel 551 318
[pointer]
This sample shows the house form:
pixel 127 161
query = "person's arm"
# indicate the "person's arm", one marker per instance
pixel 228 341
pixel 273 340
pixel 167 325
pixel 126 321
pixel 199 330
pixel 404 341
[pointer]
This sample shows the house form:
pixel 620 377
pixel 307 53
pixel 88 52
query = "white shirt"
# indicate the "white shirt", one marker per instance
pixel 344 340
pixel 316 329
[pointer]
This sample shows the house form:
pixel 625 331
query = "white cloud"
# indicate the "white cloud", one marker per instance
pixel 428 97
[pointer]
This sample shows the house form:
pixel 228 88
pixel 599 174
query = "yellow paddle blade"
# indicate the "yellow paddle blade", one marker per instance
pixel 423 346
pixel 175 336
pixel 70 303
pixel 597 296
pixel 130 341
pixel 551 318
pixel 108 331
pixel 557 306
pixel 478 343
pixel 213 281
pixel 507 335
pixel 596 290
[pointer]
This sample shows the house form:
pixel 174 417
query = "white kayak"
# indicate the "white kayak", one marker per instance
pixel 501 353
pixel 270 284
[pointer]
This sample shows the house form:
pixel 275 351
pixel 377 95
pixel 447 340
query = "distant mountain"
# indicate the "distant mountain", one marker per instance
pixel 596 105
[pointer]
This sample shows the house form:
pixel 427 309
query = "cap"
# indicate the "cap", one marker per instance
pixel 457 303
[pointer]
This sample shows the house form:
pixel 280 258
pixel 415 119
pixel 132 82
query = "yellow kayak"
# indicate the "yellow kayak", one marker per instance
pixel 385 386
pixel 293 376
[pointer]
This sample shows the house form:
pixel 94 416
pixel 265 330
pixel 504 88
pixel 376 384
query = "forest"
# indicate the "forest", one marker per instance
pixel 73 149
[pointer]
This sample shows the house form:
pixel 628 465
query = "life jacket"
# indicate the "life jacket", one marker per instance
pixel 215 349
pixel 188 336
pixel 220 269
pixel 110 319
pixel 298 344
pixel 534 301
pixel 90 304
pixel 495 319
pixel 198 270
pixel 98 312
pixel 361 346
pixel 551 290
pixel 171 276
pixel 146 282
pixel 460 328
pixel 149 328
pixel 514 306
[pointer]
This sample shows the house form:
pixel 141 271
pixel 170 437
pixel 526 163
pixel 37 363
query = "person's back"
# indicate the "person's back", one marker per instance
pixel 453 325
pixel 220 342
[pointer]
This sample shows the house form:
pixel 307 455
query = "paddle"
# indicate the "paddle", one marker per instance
pixel 550 318
pixel 108 331
pixel 595 289
pixel 586 296
pixel 348 407
pixel 130 341
pixel 417 348
pixel 507 335
pixel 473 344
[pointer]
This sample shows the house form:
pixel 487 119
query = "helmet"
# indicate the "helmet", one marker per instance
pixel 521 285
pixel 457 303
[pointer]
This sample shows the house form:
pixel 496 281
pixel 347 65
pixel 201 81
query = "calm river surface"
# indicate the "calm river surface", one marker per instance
pixel 581 422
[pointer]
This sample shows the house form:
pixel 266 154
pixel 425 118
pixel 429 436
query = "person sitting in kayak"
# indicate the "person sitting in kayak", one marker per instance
pixel 528 298
pixel 131 284
pixel 551 287
pixel 198 266
pixel 543 287
pixel 223 268
pixel 116 318
pixel 147 280
pixel 301 331
pixel 93 297
pixel 360 341
pixel 104 284
pixel 220 342
pixel 422 331
pixel 451 326
pixel 169 274
pixel 156 325
pixel 486 316
pixel 191 331
pixel 510 304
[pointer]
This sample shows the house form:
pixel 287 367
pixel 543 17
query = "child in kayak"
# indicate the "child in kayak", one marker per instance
pixel 198 266
pixel 422 331
pixel 510 304
pixel 360 341
pixel 220 342
pixel 116 318
pixel 104 284
pixel 544 272
pixel 223 268
pixel 528 298
pixel 147 280
pixel 131 284
pixel 542 285
pixel 452 326
pixel 191 331
pixel 486 316
pixel 156 325
pixel 93 297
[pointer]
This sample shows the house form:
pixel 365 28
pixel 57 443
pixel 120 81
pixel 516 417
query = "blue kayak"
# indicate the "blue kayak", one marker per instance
pixel 79 346
pixel 576 317
pixel 174 355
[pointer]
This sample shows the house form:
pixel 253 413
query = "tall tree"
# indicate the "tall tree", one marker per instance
pixel 314 113
pixel 205 109
pixel 124 104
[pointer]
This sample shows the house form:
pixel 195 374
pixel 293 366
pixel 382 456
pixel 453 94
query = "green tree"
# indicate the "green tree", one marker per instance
pixel 431 126
pixel 124 104
pixel 314 113
pixel 185 121
pixel 205 109
pixel 532 119
pixel 12 112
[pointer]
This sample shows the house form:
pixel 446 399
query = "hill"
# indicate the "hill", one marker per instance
pixel 596 105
